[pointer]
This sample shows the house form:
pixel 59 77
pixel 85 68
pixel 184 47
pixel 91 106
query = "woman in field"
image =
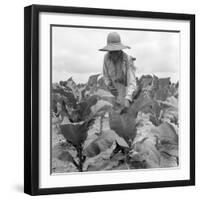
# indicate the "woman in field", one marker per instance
pixel 119 70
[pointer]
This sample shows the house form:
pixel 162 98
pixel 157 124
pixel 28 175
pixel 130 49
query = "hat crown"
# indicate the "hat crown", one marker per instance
pixel 114 43
pixel 113 38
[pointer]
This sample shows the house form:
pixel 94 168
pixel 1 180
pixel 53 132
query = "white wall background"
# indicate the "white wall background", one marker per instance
pixel 11 100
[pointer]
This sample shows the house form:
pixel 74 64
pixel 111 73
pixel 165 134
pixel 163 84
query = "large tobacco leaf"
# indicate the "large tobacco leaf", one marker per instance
pixel 62 94
pixel 164 83
pixel 100 161
pixel 124 125
pixel 157 147
pixel 105 160
pixel 75 133
pixel 170 110
pixel 101 83
pixel 103 142
pixel 92 81
pixel 168 142
pixel 84 107
pixel 105 95
pixel 145 104
pixel 166 133
pixel 163 89
pixel 146 155
pixel 100 107
pixel 66 156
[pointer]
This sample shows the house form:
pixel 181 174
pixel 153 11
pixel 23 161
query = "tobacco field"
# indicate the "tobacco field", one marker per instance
pixel 90 131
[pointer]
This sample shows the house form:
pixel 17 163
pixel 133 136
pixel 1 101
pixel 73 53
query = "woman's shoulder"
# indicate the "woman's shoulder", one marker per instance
pixel 129 60
pixel 106 56
pixel 128 57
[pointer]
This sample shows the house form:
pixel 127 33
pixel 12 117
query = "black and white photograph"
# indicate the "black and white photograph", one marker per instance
pixel 109 99
pixel 114 97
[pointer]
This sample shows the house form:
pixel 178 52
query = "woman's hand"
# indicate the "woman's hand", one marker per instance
pixel 127 103
pixel 126 106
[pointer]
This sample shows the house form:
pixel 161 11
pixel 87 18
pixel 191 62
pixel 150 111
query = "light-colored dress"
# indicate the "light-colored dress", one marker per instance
pixel 121 75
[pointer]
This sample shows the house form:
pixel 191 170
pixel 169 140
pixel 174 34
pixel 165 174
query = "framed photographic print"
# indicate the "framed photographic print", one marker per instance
pixel 109 99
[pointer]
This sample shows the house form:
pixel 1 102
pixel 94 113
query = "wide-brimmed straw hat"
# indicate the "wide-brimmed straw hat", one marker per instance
pixel 114 43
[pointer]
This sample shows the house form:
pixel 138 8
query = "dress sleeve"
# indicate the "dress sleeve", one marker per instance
pixel 105 72
pixel 131 79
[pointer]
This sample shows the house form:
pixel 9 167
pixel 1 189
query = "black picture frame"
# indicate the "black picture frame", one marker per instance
pixel 31 98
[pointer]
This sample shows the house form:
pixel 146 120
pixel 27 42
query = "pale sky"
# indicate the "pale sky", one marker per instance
pixel 76 52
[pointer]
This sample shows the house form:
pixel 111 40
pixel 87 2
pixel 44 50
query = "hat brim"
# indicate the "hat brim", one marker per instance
pixel 114 47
